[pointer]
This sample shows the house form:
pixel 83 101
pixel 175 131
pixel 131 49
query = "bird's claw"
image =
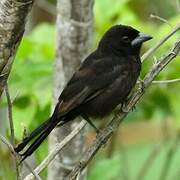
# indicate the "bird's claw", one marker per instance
pixel 98 132
pixel 124 109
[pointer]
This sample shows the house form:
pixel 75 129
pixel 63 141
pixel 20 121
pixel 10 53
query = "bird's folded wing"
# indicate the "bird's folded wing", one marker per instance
pixel 85 85
pixel 66 106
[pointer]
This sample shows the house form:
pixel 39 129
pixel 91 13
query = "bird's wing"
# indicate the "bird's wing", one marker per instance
pixel 88 82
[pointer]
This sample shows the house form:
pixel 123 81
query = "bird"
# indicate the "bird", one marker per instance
pixel 103 81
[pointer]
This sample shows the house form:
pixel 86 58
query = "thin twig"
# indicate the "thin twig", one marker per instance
pixel 31 170
pixel 161 42
pixel 169 158
pixel 9 102
pixel 10 114
pixel 107 132
pixel 56 150
pixel 8 144
pixel 169 81
pixel 161 19
pixel 11 149
pixel 166 81
pixel 12 130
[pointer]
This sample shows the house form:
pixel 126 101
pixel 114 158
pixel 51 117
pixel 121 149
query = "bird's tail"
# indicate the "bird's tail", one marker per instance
pixel 40 133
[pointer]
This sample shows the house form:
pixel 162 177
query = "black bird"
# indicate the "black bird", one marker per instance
pixel 103 81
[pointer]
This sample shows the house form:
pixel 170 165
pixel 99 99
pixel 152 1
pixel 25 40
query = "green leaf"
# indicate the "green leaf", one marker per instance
pixel 22 118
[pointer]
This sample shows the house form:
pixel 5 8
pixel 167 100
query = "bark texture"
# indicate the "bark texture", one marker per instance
pixel 74 32
pixel 13 15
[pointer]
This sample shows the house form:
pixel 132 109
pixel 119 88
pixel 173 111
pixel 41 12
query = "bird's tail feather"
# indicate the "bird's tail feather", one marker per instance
pixel 27 139
pixel 37 142
pixel 40 134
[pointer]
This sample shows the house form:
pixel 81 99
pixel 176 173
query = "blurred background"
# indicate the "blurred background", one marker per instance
pixel 147 137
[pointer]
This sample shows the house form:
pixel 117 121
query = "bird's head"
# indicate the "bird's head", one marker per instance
pixel 124 40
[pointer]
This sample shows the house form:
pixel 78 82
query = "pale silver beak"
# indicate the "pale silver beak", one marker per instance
pixel 140 39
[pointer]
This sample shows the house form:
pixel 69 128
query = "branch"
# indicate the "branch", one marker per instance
pixel 161 42
pixel 107 132
pixel 161 19
pixel 56 150
pixel 8 144
pixel 13 15
pixel 170 81
pixel 37 177
pixel 11 149
pixel 74 30
pixel 9 102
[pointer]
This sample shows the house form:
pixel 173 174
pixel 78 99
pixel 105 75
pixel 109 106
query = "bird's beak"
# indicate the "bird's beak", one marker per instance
pixel 140 39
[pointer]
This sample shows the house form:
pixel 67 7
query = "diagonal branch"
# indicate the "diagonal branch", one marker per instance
pixel 11 124
pixel 11 149
pixel 56 150
pixel 162 41
pixel 13 15
pixel 10 117
pixel 107 132
pixel 161 19
pixel 169 81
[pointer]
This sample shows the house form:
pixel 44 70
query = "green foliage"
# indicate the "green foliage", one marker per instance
pixel 31 82
pixel 105 169
pixel 161 100
pixel 31 78
pixel 116 168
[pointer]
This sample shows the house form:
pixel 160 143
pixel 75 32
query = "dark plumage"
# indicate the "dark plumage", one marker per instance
pixel 103 81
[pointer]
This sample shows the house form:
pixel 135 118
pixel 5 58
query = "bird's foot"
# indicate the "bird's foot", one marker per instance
pixel 98 132
pixel 92 124
pixel 124 107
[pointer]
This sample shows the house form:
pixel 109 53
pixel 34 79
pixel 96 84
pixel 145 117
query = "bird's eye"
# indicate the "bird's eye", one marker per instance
pixel 126 39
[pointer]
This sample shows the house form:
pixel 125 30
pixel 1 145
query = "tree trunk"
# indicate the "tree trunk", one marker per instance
pixel 13 15
pixel 74 32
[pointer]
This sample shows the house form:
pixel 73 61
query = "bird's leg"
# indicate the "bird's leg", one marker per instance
pixel 92 124
pixel 123 108
pixel 141 88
